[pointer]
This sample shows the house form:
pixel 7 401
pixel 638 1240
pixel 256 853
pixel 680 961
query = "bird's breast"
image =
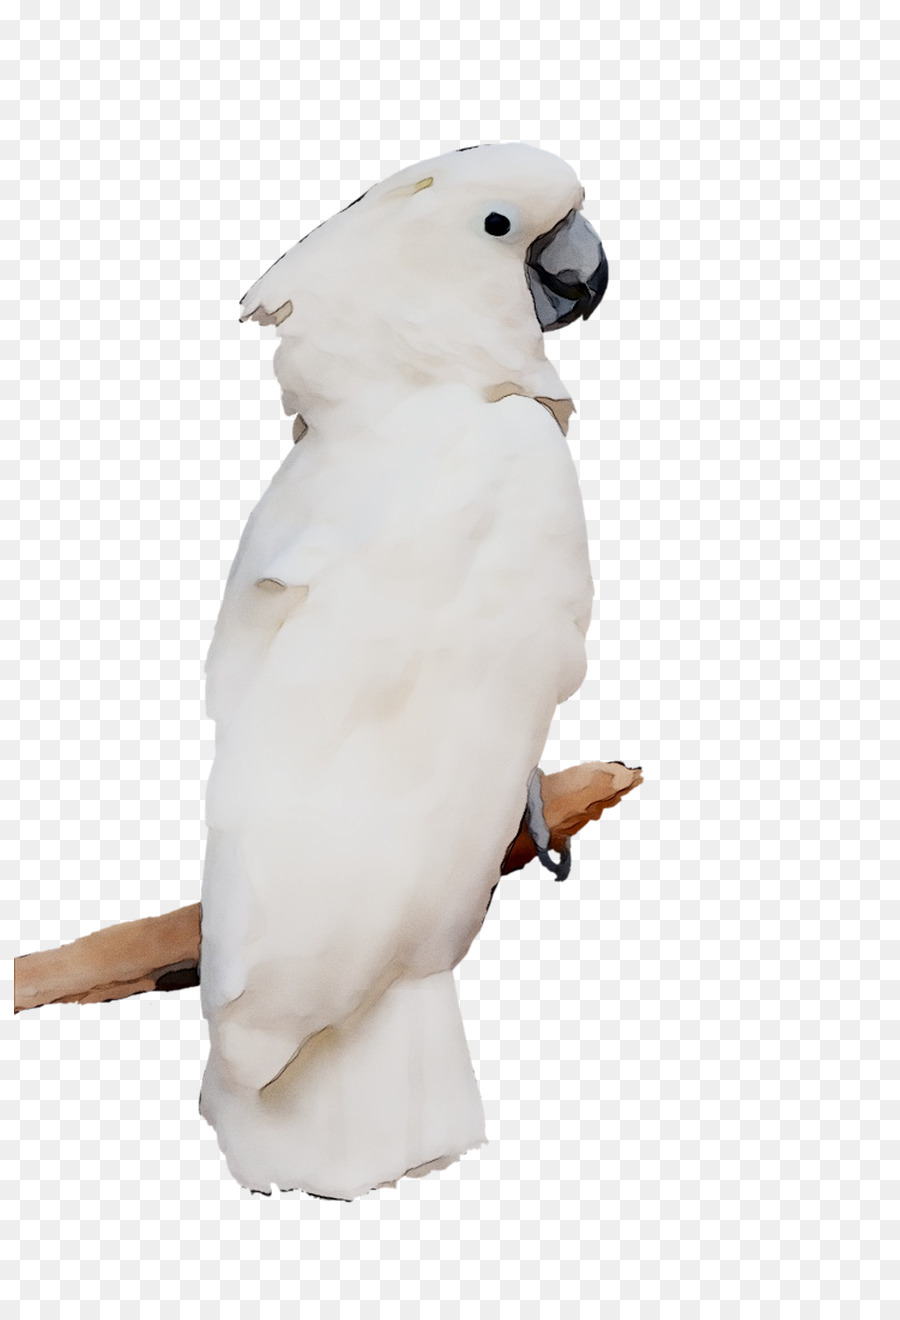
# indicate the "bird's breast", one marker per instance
pixel 451 528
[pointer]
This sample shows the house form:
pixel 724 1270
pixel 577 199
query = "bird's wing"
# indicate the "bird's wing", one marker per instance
pixel 405 696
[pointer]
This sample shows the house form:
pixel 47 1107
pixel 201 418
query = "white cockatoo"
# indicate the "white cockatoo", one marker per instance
pixel 407 608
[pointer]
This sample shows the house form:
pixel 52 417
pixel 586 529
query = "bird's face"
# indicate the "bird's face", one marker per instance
pixel 493 221
pixel 450 269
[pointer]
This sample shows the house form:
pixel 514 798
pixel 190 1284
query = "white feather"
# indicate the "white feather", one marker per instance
pixel 407 608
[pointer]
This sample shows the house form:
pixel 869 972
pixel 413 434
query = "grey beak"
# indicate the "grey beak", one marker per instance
pixel 567 272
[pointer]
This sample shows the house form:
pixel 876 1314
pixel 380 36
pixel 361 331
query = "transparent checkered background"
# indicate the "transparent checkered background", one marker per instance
pixel 683 1050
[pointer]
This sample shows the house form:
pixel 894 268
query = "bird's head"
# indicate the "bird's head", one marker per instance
pixel 452 268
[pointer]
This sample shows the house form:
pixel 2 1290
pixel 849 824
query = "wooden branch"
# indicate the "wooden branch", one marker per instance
pixel 161 953
pixel 571 798
pixel 155 953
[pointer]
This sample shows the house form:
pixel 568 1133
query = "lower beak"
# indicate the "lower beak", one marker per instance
pixel 567 272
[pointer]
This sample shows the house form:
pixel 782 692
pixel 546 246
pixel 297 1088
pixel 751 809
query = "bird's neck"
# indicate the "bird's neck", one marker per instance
pixel 327 383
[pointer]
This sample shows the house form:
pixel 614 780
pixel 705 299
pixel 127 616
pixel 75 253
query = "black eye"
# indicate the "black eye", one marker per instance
pixel 497 224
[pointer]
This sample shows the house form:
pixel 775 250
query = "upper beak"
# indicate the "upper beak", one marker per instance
pixel 567 272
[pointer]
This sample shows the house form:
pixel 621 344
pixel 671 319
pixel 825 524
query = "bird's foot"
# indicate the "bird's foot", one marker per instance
pixel 540 831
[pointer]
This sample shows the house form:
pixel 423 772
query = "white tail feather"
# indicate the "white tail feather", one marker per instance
pixel 387 1093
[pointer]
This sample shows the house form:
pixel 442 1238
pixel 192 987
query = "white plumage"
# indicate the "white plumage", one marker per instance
pixel 407 607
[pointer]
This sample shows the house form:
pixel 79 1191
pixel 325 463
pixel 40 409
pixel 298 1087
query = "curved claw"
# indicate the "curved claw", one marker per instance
pixel 540 831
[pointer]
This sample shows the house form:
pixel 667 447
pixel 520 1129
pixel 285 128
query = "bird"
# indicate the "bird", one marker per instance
pixel 407 608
